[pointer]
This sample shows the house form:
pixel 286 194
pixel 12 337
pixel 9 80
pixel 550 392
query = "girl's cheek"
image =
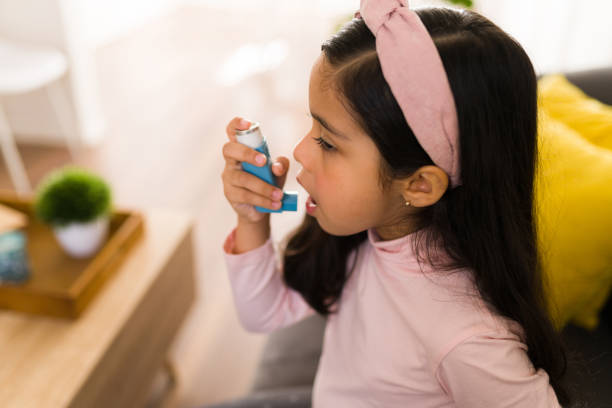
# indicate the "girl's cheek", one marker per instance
pixel 326 185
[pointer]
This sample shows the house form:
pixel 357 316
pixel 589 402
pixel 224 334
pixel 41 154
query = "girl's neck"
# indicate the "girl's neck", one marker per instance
pixel 394 231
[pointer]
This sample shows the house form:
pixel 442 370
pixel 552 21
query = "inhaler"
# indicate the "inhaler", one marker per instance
pixel 253 138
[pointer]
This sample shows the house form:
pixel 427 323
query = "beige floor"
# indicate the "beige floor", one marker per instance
pixel 167 106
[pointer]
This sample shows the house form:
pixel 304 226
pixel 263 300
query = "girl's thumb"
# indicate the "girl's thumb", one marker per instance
pixel 280 167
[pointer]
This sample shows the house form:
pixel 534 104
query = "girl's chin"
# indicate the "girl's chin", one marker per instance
pixel 334 230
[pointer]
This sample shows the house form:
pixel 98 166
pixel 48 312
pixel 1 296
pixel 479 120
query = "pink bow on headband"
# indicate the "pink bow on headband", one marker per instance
pixel 414 71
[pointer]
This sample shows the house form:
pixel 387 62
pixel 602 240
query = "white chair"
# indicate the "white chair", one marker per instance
pixel 25 68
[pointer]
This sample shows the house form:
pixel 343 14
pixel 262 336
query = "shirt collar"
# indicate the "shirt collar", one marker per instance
pixel 400 252
pixel 397 253
pixel 399 246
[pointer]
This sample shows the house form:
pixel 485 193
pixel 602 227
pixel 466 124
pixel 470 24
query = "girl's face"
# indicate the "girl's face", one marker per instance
pixel 341 167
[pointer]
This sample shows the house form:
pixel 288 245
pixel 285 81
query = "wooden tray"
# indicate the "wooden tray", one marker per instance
pixel 60 285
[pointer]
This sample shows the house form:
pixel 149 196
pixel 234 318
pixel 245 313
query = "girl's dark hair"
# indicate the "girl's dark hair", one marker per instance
pixel 488 224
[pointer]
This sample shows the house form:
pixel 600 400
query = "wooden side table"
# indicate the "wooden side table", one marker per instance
pixel 110 355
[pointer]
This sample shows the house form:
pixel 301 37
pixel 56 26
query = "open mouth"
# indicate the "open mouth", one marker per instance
pixel 311 205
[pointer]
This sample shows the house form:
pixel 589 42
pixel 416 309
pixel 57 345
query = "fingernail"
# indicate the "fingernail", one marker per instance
pixel 278 165
pixel 244 123
pixel 277 194
pixel 276 204
pixel 260 158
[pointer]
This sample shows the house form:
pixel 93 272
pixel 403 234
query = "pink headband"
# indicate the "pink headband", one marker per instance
pixel 413 69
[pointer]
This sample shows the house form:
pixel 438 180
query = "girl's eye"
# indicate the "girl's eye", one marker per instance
pixel 324 145
pixel 320 141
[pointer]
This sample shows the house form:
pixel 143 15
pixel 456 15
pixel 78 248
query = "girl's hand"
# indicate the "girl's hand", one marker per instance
pixel 244 190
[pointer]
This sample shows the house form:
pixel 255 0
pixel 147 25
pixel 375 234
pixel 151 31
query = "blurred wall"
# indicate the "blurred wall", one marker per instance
pixel 78 28
pixel 558 35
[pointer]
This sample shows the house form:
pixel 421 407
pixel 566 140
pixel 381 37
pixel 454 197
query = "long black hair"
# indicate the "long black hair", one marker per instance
pixel 487 224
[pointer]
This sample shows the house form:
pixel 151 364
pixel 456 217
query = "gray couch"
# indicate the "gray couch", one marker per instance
pixel 289 362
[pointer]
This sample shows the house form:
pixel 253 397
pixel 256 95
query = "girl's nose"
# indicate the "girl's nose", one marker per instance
pixel 299 151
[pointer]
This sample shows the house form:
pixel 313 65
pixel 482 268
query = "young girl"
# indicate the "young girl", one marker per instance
pixel 419 244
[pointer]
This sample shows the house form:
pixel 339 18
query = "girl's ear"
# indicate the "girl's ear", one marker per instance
pixel 425 187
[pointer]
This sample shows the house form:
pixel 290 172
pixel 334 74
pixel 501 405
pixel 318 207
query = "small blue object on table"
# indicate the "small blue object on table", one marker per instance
pixel 14 266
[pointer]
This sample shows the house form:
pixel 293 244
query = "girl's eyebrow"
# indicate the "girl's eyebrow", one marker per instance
pixel 326 125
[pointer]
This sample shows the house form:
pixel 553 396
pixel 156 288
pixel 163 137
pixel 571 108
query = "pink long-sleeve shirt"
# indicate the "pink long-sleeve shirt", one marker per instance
pixel 404 335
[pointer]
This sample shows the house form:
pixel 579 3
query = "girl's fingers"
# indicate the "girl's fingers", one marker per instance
pixel 237 123
pixel 244 180
pixel 280 168
pixel 244 190
pixel 239 195
pixel 237 152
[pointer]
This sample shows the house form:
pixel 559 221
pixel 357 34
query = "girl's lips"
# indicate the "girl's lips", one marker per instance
pixel 311 205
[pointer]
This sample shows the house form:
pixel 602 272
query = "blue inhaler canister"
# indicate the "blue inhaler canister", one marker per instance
pixel 253 138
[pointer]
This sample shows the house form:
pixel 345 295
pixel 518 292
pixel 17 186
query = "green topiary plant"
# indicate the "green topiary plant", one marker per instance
pixel 71 195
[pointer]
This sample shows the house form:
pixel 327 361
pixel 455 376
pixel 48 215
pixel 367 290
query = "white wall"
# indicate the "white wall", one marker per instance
pixel 558 35
pixel 78 28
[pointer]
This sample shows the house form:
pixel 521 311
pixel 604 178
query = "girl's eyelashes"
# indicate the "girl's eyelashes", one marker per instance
pixel 324 145
pixel 320 141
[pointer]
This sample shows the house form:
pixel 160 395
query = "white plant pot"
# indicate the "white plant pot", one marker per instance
pixel 81 240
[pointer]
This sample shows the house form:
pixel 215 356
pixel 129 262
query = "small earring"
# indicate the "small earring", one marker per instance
pixel 407 203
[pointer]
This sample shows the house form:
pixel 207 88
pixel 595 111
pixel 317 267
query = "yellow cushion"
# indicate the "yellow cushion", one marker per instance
pixel 574 202
pixel 565 102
